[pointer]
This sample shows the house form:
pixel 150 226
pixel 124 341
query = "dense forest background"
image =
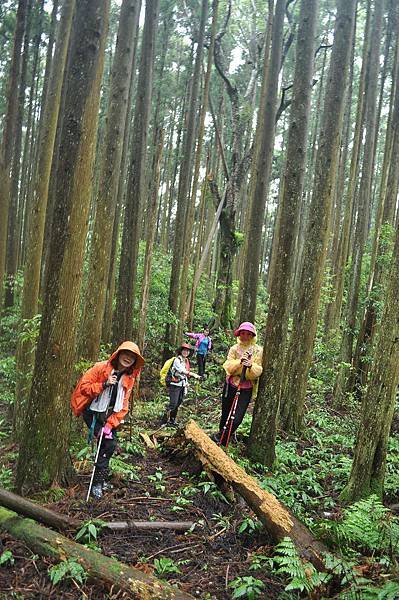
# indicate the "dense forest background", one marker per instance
pixel 168 165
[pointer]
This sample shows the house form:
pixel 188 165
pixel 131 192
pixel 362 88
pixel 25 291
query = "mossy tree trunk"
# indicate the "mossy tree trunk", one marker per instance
pixel 38 205
pixel 368 468
pixel 101 240
pixel 43 457
pixel 7 141
pixel 151 218
pixel 299 354
pixel 123 316
pixel 183 198
pixel 362 222
pixel 262 171
pixel 15 196
pixel 264 423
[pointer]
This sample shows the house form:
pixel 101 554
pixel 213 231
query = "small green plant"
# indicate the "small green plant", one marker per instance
pixel 30 330
pixel 126 470
pixel 67 569
pixel 249 525
pixel 165 565
pixel 89 531
pixel 7 558
pixel 222 521
pixel 6 478
pixel 134 447
pixel 181 503
pixel 158 479
pixel 208 487
pixel 247 587
pixel 85 453
pixel 259 561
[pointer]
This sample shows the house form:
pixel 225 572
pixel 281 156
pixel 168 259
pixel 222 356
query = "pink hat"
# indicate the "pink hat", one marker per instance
pixel 246 326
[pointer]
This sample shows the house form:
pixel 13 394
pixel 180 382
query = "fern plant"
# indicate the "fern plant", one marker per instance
pixel 367 525
pixel 303 576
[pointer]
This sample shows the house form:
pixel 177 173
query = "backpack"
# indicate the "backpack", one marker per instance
pixel 165 374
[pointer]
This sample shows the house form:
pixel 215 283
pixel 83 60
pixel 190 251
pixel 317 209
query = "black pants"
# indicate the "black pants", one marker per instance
pixel 107 447
pixel 176 396
pixel 201 360
pixel 229 392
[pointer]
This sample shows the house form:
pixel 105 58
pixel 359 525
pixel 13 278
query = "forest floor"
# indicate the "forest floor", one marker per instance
pixel 227 548
pixel 149 485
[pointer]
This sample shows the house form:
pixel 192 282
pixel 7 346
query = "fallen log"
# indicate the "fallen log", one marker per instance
pixel 46 542
pixel 276 518
pixel 27 508
pixel 30 509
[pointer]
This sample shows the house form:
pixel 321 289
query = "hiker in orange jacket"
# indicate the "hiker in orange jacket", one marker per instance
pixel 102 398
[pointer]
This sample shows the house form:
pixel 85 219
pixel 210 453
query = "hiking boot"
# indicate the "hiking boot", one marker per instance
pixel 172 424
pixel 215 437
pixel 97 491
pixel 107 486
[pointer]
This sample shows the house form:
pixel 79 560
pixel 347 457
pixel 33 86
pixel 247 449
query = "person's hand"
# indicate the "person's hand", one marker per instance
pixel 246 359
pixel 112 379
pixel 107 432
pixel 195 375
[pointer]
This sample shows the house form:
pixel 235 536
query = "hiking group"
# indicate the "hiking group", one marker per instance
pixel 102 394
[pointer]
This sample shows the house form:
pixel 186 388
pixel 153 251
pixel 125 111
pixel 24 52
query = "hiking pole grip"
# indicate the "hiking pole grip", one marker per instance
pixel 100 439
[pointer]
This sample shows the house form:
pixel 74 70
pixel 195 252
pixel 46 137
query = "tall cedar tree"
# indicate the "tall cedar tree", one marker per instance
pixel 300 350
pixel 264 424
pixel 13 237
pixel 7 141
pixel 362 222
pixel 368 468
pixel 38 202
pixel 123 316
pixel 183 197
pixel 262 172
pixel 43 457
pixel 100 248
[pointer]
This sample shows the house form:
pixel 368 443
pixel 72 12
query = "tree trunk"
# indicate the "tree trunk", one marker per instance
pixel 389 190
pixel 123 316
pixel 184 300
pixel 368 468
pixel 109 173
pixel 264 424
pixel 12 237
pixel 362 223
pixel 38 205
pixel 7 142
pixel 43 458
pixel 300 350
pixel 262 172
pixel 344 243
pixel 173 330
pixel 151 217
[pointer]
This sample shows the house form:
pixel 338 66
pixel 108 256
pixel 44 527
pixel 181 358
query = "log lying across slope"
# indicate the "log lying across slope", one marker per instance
pixel 46 542
pixel 27 508
pixel 276 518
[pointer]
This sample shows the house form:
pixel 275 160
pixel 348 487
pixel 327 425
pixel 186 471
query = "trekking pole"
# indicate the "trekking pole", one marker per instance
pixel 228 426
pixel 100 439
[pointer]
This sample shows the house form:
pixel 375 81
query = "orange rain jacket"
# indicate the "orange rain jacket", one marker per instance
pixel 91 384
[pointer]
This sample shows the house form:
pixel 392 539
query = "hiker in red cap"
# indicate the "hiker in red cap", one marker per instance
pixel 243 368
pixel 177 383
